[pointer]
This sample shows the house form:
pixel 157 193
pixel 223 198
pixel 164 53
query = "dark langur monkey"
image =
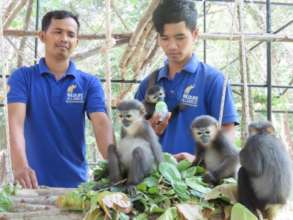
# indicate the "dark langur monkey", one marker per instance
pixel 265 176
pixel 138 151
pixel 153 95
pixel 214 150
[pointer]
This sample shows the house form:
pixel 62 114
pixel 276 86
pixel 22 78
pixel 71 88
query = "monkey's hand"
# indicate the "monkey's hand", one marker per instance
pixel 210 178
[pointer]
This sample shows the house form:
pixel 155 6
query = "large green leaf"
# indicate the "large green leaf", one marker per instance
pixel 190 172
pixel 169 214
pixel 226 192
pixel 151 181
pixel 156 209
pixel 170 172
pixel 5 202
pixel 196 184
pixel 169 158
pixel 123 216
pixel 154 190
pixel 181 190
pixel 183 165
pixel 241 212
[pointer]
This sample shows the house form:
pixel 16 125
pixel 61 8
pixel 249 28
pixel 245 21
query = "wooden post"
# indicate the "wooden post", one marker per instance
pixel 21 50
pixel 108 74
pixel 13 14
pixel 245 120
pixel 3 83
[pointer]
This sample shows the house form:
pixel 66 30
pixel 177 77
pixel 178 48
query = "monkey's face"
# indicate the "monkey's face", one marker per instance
pixel 130 117
pixel 155 94
pixel 204 135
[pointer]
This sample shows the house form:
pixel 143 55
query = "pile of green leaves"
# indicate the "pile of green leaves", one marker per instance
pixel 5 197
pixel 162 195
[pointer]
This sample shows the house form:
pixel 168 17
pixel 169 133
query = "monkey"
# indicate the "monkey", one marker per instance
pixel 214 150
pixel 265 176
pixel 153 95
pixel 138 151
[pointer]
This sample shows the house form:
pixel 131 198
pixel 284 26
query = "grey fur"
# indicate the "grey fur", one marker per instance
pixel 214 150
pixel 139 150
pixel 267 167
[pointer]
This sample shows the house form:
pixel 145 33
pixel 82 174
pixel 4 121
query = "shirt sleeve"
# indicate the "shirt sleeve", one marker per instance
pixel 18 85
pixel 214 96
pixel 140 93
pixel 95 100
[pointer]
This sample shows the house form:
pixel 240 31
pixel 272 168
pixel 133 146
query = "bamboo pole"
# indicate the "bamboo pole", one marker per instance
pixel 91 52
pixel 3 83
pixel 245 120
pixel 14 13
pixel 9 8
pixel 140 29
pixel 203 36
pixel 108 73
pixel 20 53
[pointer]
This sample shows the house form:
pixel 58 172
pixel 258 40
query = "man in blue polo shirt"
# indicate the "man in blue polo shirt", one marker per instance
pixel 186 80
pixel 47 104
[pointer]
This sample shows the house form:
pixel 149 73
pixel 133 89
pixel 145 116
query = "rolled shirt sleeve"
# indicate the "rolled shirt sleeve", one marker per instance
pixel 18 87
pixel 95 100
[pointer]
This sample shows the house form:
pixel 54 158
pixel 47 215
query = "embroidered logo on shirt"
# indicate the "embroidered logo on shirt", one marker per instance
pixel 74 97
pixel 187 98
pixel 71 88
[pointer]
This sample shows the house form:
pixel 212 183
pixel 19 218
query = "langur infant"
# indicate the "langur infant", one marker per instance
pixel 153 95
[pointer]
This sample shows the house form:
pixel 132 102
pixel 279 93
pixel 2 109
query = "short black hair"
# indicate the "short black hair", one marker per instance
pixel 174 11
pixel 57 14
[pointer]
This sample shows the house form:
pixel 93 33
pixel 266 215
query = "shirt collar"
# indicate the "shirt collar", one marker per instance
pixel 189 67
pixel 71 70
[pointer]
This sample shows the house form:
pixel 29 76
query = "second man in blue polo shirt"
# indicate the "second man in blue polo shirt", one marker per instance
pixel 186 80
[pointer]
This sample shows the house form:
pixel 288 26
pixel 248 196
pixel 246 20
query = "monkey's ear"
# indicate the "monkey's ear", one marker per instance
pixel 270 130
pixel 252 131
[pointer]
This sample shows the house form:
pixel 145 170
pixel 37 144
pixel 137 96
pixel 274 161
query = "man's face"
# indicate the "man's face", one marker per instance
pixel 177 42
pixel 60 38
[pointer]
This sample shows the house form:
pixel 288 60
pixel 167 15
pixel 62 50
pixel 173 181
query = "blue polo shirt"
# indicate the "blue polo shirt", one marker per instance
pixel 198 86
pixel 55 120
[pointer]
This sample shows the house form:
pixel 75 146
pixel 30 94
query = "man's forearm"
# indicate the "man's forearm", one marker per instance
pixel 230 131
pixel 104 138
pixel 103 131
pixel 17 149
pixel 16 117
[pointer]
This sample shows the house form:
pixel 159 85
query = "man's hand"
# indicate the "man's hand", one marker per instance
pixel 185 156
pixel 26 177
pixel 159 126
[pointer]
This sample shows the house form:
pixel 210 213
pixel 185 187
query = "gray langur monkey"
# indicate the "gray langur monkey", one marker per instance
pixel 214 150
pixel 265 176
pixel 153 95
pixel 138 151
